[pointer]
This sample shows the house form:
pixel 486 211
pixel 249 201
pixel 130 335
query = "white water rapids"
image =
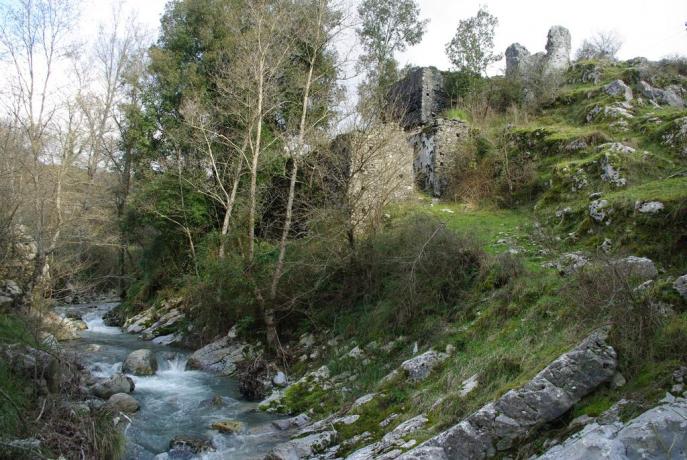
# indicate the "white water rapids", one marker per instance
pixel 174 401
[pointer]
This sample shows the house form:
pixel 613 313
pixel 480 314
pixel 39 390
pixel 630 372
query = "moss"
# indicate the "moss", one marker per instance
pixel 593 406
pixel 310 397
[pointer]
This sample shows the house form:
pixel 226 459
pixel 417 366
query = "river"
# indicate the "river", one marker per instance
pixel 174 401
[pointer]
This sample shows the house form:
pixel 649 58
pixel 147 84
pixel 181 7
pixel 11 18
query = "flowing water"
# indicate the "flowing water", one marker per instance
pixel 174 401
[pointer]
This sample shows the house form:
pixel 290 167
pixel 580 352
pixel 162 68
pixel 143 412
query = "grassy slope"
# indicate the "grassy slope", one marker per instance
pixel 507 335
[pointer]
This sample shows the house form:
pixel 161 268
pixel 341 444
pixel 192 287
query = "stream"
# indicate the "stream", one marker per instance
pixel 174 401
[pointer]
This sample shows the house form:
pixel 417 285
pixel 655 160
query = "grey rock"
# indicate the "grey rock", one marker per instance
pixel 165 322
pixel 305 447
pixel 649 207
pixel 418 98
pixel 669 96
pixel 617 147
pixel 361 401
pixel 221 356
pixel 299 421
pixel 519 413
pixel 639 268
pixel 140 362
pixel 580 421
pixel 556 60
pixel 122 402
pixel 279 379
pixel 659 433
pixel 193 445
pixel 419 367
pixel 598 210
pixel 118 383
pixel 618 88
pixel 610 173
pixel 680 285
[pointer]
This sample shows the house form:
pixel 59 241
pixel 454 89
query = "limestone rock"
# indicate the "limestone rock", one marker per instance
pixel 419 98
pixel 680 286
pixel 419 367
pixel 669 96
pixel 280 379
pixel 122 402
pixel 299 421
pixel 163 324
pixel 640 268
pixel 118 383
pixel 649 207
pixel 598 210
pixel 304 447
pixel 140 362
pixel 618 88
pixel 571 263
pixel 558 46
pixel 499 425
pixel 659 433
pixel 221 356
pixel 675 136
pixel 556 60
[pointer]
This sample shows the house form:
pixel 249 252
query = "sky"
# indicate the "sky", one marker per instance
pixel 649 28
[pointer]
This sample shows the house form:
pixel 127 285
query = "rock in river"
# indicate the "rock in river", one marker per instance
pixel 140 362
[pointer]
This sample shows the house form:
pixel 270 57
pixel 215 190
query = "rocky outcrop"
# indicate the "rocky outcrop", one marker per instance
pixel 618 88
pixel 638 268
pixel 221 356
pixel 140 362
pixel 10 293
pixel 436 148
pixel 419 98
pixel 517 414
pixel 671 96
pixel 659 433
pixel 556 60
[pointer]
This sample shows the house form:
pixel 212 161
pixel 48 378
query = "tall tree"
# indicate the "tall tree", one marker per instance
pixel 472 48
pixel 386 26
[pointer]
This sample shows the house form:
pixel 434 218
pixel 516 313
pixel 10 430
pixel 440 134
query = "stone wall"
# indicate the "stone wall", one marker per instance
pixel 436 148
pixel 375 168
pixel 419 98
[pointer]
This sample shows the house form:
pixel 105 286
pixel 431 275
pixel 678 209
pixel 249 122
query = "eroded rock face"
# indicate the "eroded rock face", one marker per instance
pixel 517 414
pixel 618 88
pixel 556 60
pixel 419 98
pixel 140 362
pixel 659 433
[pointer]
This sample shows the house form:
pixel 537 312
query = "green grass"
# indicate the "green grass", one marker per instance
pixel 456 114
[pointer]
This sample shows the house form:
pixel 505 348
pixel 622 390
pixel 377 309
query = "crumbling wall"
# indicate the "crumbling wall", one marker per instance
pixel 556 60
pixel 419 98
pixel 436 148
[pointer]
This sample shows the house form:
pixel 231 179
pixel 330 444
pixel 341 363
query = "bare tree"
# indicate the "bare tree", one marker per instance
pixel 34 35
pixel 603 45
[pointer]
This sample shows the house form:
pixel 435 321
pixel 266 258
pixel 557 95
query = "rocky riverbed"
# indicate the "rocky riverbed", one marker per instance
pixel 170 412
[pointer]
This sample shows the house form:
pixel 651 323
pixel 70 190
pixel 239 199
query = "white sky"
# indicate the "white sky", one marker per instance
pixel 649 28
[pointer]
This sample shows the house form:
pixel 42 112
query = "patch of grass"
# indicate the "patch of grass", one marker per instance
pixel 456 114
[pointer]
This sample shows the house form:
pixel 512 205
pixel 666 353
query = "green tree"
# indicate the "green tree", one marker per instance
pixel 386 26
pixel 472 48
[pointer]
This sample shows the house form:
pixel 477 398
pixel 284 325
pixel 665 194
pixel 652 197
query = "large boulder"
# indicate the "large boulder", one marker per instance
pixel 659 433
pixel 164 325
pixel 638 268
pixel 140 362
pixel 118 383
pixel 122 402
pixel 618 88
pixel 498 426
pixel 221 356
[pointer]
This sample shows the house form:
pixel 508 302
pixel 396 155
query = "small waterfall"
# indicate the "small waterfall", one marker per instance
pixel 172 364
pixel 95 323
